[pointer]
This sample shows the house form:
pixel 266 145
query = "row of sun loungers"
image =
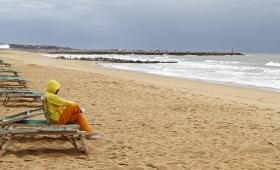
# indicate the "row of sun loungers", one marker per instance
pixel 13 86
pixel 16 126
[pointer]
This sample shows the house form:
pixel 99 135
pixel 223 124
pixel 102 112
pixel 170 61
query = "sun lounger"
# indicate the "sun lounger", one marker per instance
pixel 5 64
pixel 73 135
pixel 7 70
pixel 12 126
pixel 12 79
pixel 9 96
pixel 20 93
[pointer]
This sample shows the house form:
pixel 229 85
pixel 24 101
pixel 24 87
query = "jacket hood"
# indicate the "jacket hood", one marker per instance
pixel 53 86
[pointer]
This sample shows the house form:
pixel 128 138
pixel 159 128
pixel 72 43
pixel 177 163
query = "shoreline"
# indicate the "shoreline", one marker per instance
pixel 202 81
pixel 202 87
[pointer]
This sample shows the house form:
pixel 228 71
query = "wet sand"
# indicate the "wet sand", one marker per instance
pixel 149 122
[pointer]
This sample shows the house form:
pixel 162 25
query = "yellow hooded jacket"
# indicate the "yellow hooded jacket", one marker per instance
pixel 55 104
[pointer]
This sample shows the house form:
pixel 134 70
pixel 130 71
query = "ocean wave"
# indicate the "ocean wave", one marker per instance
pixel 203 65
pixel 273 64
pixel 221 62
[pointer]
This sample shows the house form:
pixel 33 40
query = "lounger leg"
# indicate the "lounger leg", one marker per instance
pixel 23 84
pixel 84 146
pixel 72 140
pixel 7 143
pixel 38 99
pixel 2 140
pixel 6 101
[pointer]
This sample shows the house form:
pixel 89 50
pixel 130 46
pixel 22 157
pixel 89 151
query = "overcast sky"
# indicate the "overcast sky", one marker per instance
pixel 196 25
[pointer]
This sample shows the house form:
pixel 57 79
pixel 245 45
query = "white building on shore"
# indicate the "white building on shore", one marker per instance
pixel 4 46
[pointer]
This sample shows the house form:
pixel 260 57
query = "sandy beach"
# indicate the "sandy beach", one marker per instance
pixel 147 121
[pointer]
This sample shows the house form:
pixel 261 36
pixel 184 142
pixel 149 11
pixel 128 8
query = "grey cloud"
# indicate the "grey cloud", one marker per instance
pixel 251 25
pixel 49 8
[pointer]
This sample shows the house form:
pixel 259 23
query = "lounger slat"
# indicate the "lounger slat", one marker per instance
pixel 15 115
pixel 21 95
pixel 30 123
pixel 20 116
pixel 7 121
pixel 8 70
pixel 9 90
pixel 5 78
pixel 40 130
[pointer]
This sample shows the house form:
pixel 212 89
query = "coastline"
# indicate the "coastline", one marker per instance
pixel 150 121
pixel 203 81
pixel 234 73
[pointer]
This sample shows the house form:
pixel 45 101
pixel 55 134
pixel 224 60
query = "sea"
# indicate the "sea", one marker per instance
pixel 251 70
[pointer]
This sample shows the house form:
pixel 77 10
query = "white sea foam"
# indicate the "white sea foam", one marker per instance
pixel 273 64
pixel 221 62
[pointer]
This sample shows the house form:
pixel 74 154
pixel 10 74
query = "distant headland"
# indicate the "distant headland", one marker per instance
pixel 68 50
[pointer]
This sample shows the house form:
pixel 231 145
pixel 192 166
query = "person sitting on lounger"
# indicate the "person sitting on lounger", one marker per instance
pixel 61 111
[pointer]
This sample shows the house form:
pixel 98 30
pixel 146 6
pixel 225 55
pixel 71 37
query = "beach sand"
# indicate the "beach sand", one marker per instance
pixel 149 122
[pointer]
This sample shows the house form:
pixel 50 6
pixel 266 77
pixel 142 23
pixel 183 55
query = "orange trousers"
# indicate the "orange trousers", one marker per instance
pixel 72 113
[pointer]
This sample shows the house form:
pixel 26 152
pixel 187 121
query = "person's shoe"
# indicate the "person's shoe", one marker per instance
pixel 94 136
pixel 83 110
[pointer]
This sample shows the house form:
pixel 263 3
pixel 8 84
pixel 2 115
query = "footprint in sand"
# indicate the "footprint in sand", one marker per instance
pixel 257 149
pixel 277 146
pixel 34 65
pixel 154 166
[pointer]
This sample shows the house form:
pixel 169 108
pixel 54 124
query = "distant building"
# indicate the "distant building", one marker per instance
pixel 4 46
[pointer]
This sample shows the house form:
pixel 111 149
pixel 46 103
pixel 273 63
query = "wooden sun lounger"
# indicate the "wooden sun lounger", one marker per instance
pixel 12 126
pixel 8 79
pixel 8 70
pixel 73 135
pixel 5 64
pixel 9 96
